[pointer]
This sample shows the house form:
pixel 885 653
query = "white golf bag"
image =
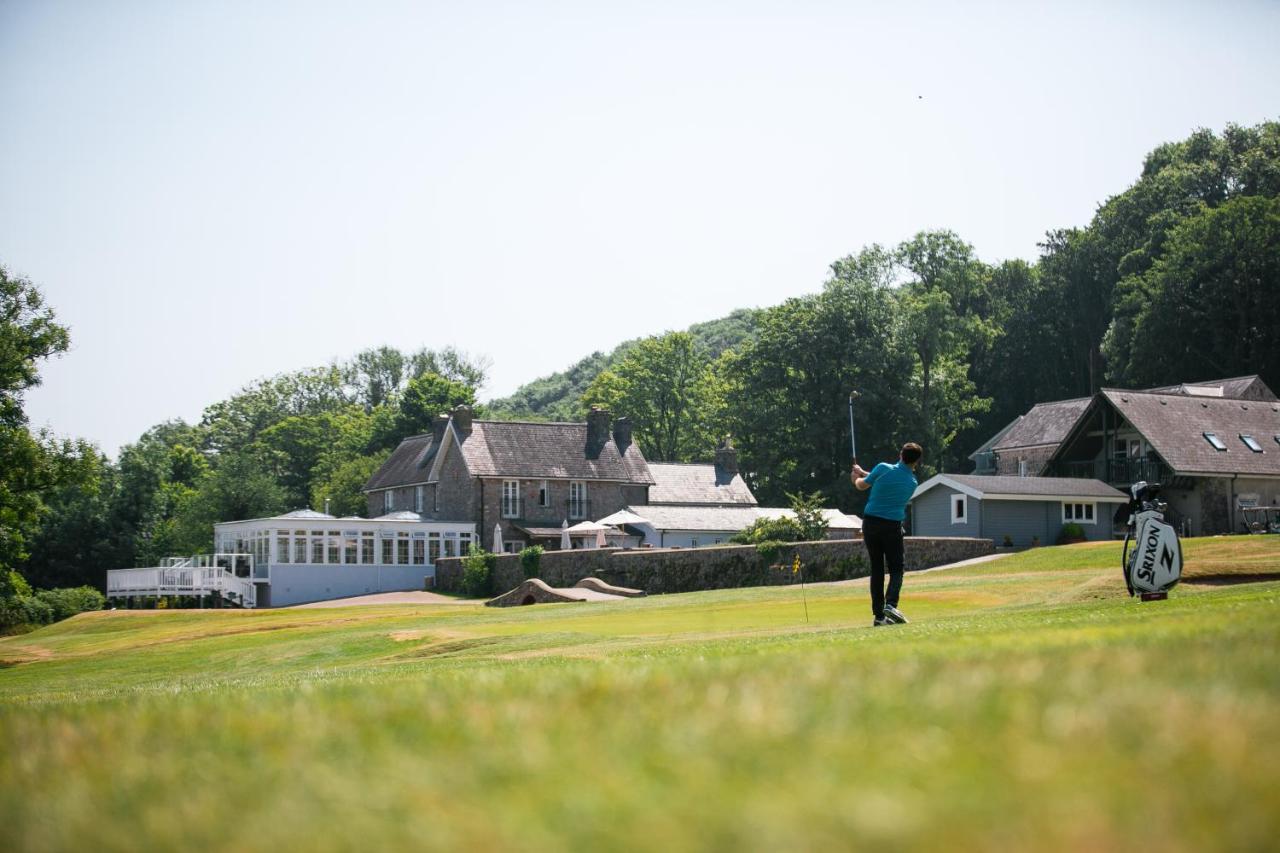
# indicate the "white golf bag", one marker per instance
pixel 1154 566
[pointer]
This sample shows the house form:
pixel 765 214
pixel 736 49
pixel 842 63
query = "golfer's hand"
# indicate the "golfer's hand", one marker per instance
pixel 858 470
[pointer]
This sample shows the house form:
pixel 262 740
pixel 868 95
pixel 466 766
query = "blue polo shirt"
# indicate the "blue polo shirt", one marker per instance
pixel 891 488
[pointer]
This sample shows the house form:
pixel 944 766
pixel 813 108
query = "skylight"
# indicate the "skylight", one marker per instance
pixel 1250 443
pixel 1212 438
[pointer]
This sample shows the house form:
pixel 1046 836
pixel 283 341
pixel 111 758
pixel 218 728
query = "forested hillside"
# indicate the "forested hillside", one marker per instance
pixel 1177 278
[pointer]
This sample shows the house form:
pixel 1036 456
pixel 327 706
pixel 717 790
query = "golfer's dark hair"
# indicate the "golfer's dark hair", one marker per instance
pixel 911 452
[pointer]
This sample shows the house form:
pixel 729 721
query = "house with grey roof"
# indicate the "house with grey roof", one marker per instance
pixel 1019 511
pixel 1022 448
pixel 1212 451
pixel 523 479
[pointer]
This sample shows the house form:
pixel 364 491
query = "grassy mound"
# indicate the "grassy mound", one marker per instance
pixel 1029 704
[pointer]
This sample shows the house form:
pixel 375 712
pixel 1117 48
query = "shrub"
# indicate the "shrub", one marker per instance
pixel 477 572
pixel 69 601
pixel 1008 541
pixel 809 520
pixel 769 530
pixel 1071 532
pixel 531 560
pixel 769 551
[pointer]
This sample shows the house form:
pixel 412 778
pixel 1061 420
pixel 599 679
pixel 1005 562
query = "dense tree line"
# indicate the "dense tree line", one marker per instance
pixel 1175 279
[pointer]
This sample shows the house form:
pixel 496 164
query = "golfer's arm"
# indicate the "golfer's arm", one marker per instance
pixel 861 484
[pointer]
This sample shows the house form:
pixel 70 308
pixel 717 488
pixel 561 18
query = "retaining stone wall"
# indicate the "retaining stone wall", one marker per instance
pixel 659 571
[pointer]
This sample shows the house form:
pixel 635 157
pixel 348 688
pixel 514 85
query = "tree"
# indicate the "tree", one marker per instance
pixel 238 488
pixel 28 336
pixel 425 397
pixel 664 384
pixel 1208 306
pixel 74 543
pixel 341 484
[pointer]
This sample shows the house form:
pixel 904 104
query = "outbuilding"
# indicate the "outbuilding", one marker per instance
pixel 1021 511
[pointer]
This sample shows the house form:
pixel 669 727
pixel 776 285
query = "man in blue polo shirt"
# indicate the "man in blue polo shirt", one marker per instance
pixel 891 488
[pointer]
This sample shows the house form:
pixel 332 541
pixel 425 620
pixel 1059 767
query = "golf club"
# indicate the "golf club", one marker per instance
pixel 853 441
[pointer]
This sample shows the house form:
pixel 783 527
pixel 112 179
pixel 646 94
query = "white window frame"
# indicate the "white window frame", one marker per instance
pixel 1250 442
pixel 577 499
pixel 419 498
pixel 388 501
pixel 1070 508
pixel 544 495
pixel 510 498
pixel 962 501
pixel 1022 467
pixel 1215 442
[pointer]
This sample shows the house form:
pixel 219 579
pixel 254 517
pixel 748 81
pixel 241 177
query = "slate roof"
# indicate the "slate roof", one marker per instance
pixel 1050 488
pixel 408 464
pixel 675 483
pixel 1045 424
pixel 548 450
pixel 1236 388
pixel 1175 424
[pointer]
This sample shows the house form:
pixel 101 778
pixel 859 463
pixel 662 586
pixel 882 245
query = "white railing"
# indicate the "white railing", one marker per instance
pixel 203 574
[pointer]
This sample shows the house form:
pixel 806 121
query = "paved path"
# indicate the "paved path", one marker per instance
pixel 388 598
pixel 987 558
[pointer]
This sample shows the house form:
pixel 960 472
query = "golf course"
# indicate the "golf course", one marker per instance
pixel 1029 704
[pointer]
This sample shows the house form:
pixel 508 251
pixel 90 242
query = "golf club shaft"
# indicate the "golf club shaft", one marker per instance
pixel 853 441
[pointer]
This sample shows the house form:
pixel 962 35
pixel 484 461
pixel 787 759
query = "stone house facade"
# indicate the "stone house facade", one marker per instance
pixel 527 479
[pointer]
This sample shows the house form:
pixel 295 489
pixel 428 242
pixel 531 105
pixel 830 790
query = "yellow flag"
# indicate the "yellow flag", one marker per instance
pixel 795 566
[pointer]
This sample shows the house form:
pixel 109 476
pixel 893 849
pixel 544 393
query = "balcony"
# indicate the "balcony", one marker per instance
pixel 577 510
pixel 1117 472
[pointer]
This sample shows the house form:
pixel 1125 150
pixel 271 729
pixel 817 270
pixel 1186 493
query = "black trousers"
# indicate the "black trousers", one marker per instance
pixel 883 539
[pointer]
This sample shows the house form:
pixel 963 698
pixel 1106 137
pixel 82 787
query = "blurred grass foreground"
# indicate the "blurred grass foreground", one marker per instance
pixel 1030 704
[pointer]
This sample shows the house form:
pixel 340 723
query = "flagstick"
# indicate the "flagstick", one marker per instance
pixel 798 566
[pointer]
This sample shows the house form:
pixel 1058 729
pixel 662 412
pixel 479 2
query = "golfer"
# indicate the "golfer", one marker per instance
pixel 891 488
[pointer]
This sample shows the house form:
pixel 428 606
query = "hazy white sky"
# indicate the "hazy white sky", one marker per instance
pixel 212 192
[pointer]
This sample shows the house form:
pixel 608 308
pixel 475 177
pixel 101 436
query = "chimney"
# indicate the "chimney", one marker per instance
pixel 726 460
pixel 462 419
pixel 597 431
pixel 438 425
pixel 622 434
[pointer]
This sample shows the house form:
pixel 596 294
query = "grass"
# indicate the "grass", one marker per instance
pixel 1030 703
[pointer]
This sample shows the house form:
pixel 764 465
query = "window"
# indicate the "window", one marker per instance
pixel 317 546
pixel 577 499
pixel 510 498
pixel 402 548
pixel 299 546
pixel 367 554
pixel 334 546
pixel 350 546
pixel 693 543
pixel 1251 443
pixel 1080 513
pixel 418 494
pixel 959 509
pixel 282 546
pixel 419 549
pixel 433 548
pixel 544 494
pixel 1022 467
pixel 1213 439
pixel 388 549
pixel 387 501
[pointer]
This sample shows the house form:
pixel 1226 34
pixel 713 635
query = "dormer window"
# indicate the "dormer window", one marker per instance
pixel 1212 438
pixel 1250 443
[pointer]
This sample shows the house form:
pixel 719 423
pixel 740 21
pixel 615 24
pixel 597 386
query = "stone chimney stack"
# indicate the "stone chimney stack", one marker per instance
pixel 726 460
pixel 622 434
pixel 438 426
pixel 462 419
pixel 597 430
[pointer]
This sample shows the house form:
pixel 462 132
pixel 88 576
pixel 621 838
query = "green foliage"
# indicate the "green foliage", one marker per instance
pixel 666 386
pixel 65 603
pixel 477 572
pixel 1070 532
pixel 809 520
pixel 531 560
pixel 425 397
pixel 780 529
pixel 341 485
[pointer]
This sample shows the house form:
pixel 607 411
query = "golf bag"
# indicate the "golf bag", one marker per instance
pixel 1154 565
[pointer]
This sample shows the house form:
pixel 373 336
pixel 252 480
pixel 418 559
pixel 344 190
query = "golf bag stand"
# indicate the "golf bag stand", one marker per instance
pixel 1154 565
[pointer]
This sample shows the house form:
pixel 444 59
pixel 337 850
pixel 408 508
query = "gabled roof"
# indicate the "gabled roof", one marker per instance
pixel 1024 488
pixel 1045 424
pixel 1174 425
pixel 995 439
pixel 554 451
pixel 407 465
pixel 706 484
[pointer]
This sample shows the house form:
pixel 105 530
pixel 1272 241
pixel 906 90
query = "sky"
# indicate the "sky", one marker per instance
pixel 208 193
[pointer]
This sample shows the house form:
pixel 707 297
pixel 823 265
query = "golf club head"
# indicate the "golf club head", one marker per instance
pixel 853 395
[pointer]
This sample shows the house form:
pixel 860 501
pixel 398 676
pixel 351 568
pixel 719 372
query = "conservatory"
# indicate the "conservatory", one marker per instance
pixel 310 556
pixel 303 556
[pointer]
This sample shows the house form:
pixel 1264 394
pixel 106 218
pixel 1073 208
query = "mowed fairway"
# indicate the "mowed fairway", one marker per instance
pixel 1030 704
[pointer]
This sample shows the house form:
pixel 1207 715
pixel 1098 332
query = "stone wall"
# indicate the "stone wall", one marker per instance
pixel 1007 460
pixel 690 569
